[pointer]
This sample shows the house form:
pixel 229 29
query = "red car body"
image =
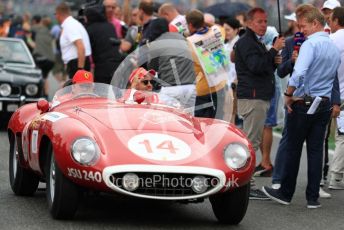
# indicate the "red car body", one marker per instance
pixel 130 138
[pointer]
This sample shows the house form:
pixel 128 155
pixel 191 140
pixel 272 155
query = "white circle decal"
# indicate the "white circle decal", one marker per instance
pixel 159 147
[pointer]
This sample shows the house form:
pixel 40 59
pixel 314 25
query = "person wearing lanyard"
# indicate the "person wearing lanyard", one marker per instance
pixel 312 81
pixel 209 95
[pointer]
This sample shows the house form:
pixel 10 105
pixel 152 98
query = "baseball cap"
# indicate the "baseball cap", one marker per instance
pixel 82 76
pixel 140 73
pixel 291 17
pixel 331 4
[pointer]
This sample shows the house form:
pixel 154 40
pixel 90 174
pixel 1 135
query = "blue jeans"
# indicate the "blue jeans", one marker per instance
pixel 280 155
pixel 310 128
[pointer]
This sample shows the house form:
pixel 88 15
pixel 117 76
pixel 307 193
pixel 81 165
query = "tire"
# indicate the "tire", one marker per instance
pixel 23 181
pixel 230 207
pixel 4 118
pixel 62 194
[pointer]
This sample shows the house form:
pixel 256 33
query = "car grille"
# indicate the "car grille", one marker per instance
pixel 16 91
pixel 164 184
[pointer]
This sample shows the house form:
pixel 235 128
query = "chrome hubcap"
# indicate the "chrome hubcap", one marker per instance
pixel 52 178
pixel 15 158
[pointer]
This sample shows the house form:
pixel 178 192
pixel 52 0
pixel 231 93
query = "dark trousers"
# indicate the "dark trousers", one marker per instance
pixel 210 105
pixel 72 66
pixel 326 165
pixel 281 154
pixel 45 65
pixel 104 72
pixel 310 128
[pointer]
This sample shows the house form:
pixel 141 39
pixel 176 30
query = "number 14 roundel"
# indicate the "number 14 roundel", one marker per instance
pixel 161 147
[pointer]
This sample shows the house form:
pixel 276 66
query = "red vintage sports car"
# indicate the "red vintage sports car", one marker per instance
pixel 105 142
pixel 140 144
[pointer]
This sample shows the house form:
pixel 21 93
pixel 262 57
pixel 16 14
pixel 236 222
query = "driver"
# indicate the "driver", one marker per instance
pixel 82 82
pixel 141 80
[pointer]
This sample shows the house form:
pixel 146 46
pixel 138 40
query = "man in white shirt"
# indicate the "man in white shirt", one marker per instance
pixel 337 36
pixel 327 10
pixel 74 41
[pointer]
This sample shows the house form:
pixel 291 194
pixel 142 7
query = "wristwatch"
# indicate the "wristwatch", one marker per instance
pixel 287 94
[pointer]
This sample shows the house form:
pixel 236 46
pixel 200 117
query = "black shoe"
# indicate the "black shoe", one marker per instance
pixel 275 195
pixel 313 204
pixel 256 194
pixel 263 172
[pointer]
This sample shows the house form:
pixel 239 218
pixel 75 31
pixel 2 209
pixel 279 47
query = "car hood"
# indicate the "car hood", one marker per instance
pixel 146 118
pixel 9 72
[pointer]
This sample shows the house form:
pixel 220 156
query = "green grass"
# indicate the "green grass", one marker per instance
pixel 331 142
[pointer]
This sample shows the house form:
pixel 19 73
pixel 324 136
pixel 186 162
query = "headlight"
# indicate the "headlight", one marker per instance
pixel 5 90
pixel 236 156
pixel 85 151
pixel 31 89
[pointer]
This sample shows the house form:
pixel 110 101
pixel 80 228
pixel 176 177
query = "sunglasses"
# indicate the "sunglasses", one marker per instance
pixel 145 82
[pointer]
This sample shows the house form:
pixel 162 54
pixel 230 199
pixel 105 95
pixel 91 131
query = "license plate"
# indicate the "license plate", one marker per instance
pixel 0 106
pixel 12 107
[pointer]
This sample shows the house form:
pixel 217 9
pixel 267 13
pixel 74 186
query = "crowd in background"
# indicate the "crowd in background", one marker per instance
pixel 46 7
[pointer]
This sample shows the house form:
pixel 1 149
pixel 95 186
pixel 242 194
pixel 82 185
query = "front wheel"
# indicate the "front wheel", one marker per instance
pixel 23 181
pixel 230 207
pixel 62 194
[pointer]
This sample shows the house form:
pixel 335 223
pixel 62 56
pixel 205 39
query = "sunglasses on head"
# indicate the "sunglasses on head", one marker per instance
pixel 145 82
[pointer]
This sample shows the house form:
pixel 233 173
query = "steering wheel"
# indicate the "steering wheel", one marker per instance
pixel 86 95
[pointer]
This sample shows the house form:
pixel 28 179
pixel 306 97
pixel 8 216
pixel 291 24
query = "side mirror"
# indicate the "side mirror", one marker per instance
pixel 43 105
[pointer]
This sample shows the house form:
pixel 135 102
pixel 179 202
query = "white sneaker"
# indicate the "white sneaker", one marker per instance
pixel 276 186
pixel 336 185
pixel 313 204
pixel 323 194
pixel 322 182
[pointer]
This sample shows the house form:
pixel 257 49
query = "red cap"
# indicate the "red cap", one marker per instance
pixel 82 76
pixel 140 73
